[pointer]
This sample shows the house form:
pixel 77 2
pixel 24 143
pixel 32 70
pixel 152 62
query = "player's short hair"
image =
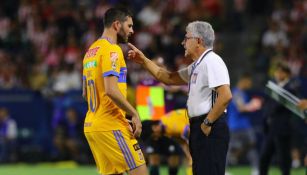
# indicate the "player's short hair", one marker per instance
pixel 202 30
pixel 116 13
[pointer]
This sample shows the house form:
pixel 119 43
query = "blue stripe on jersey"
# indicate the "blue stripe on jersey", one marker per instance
pixel 110 73
pixel 122 148
pixel 127 148
pixel 83 77
pixel 123 68
pixel 129 153
pixel 122 75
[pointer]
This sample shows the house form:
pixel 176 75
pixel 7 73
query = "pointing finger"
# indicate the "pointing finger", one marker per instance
pixel 132 46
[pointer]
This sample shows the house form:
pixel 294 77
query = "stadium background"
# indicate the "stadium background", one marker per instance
pixel 42 43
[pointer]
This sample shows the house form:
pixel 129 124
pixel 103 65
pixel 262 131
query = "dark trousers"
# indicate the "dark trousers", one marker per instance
pixel 279 144
pixel 209 152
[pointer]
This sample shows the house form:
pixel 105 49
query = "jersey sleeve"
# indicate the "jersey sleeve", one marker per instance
pixel 111 61
pixel 217 72
pixel 185 73
pixel 238 98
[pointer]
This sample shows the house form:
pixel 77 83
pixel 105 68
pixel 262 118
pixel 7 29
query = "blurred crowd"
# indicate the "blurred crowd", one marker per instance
pixel 42 43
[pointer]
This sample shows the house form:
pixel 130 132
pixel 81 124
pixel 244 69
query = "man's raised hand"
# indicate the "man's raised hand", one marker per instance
pixel 135 54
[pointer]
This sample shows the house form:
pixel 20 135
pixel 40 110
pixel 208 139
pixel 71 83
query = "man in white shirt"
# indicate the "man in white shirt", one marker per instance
pixel 208 97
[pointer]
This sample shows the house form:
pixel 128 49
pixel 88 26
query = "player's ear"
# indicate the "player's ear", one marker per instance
pixel 117 25
pixel 200 41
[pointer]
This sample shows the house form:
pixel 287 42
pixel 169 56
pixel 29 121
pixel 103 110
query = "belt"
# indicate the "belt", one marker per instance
pixel 200 118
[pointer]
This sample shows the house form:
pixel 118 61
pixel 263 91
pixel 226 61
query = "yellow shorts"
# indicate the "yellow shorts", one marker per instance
pixel 115 151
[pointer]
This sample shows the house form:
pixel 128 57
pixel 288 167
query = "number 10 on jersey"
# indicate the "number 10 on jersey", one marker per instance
pixel 92 95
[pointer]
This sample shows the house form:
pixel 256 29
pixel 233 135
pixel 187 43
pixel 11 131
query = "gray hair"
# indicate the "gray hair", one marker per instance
pixel 202 30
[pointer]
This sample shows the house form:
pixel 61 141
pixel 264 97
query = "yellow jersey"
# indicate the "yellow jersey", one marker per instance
pixel 176 124
pixel 103 59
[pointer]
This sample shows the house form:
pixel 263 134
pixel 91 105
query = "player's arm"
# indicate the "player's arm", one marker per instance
pixel 161 74
pixel 186 150
pixel 251 106
pixel 113 92
pixel 223 98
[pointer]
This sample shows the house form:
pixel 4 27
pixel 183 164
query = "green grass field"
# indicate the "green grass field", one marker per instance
pixel 70 168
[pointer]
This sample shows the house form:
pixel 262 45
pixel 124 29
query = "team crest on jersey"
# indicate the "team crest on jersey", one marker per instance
pixel 194 78
pixel 113 57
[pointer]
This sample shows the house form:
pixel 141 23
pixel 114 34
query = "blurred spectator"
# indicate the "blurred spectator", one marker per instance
pixel 66 79
pixel 278 126
pixel 242 138
pixel 150 15
pixel 68 137
pixel 303 106
pixel 295 59
pixel 274 35
pixel 72 52
pixel 101 8
pixel 8 137
pixel 8 78
pixel 38 78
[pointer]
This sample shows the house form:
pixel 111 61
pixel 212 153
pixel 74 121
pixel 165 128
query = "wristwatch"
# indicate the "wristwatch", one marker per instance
pixel 207 122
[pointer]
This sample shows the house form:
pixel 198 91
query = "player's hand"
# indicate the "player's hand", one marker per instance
pixel 206 129
pixel 135 54
pixel 136 125
pixel 254 105
pixel 302 104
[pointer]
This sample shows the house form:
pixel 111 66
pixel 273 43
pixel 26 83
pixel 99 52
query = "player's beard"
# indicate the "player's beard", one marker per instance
pixel 121 37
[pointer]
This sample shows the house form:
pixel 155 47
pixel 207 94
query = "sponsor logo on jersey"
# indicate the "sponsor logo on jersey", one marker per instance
pixel 90 64
pixel 91 52
pixel 136 147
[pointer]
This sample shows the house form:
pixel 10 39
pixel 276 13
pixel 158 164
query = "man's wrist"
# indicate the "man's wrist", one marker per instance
pixel 207 122
pixel 144 61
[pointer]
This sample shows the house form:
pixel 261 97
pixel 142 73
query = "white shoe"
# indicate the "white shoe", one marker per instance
pixel 227 173
pixel 296 164
pixel 255 172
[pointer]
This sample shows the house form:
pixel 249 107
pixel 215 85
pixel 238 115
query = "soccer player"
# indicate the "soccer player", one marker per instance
pixel 111 139
pixel 163 137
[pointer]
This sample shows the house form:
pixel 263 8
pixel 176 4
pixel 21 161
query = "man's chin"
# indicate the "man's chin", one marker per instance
pixel 186 54
pixel 189 56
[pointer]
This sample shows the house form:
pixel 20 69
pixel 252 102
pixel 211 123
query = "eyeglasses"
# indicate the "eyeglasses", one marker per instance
pixel 189 37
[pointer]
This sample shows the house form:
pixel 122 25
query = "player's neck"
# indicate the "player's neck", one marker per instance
pixel 199 52
pixel 110 36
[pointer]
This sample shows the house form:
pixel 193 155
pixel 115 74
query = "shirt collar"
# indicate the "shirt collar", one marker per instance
pixel 107 38
pixel 198 60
